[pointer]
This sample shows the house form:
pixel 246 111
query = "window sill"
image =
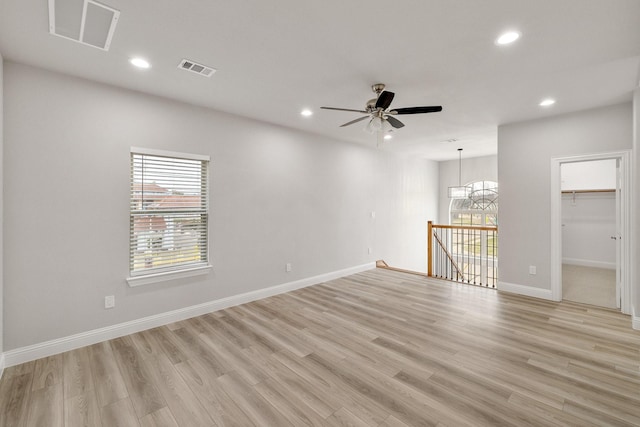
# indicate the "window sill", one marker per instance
pixel 167 275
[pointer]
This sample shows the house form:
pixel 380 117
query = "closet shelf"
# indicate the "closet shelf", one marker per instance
pixel 606 190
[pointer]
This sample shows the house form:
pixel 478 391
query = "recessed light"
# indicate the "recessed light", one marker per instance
pixel 387 136
pixel 547 102
pixel 508 38
pixel 306 112
pixel 140 63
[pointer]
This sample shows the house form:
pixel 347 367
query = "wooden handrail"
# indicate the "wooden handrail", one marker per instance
pixel 429 247
pixel 465 227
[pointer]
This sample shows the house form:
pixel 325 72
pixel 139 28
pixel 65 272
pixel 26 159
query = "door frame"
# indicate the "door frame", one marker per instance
pixel 624 157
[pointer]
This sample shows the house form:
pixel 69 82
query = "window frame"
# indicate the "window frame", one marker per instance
pixel 482 212
pixel 142 277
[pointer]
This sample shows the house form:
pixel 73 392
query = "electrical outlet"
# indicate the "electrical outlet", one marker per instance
pixel 109 301
pixel 369 251
pixel 373 214
pixel 532 270
pixel 287 267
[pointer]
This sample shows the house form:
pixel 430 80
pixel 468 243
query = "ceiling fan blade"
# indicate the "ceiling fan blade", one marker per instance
pixel 394 122
pixel 354 121
pixel 344 109
pixel 384 100
pixel 416 110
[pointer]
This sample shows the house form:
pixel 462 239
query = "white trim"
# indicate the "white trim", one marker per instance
pixel 2 361
pixel 589 263
pixel 146 279
pixel 529 291
pixel 165 153
pixel 48 348
pixel 635 321
pixel 627 229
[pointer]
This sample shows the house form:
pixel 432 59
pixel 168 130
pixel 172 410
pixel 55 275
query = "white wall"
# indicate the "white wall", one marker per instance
pixel 588 222
pixel 589 219
pixel 635 218
pixel 1 209
pixel 278 196
pixel 524 153
pixel 589 175
pixel 473 169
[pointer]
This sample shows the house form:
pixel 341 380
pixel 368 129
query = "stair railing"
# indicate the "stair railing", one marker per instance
pixel 465 254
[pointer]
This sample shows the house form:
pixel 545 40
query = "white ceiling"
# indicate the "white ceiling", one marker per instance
pixel 276 57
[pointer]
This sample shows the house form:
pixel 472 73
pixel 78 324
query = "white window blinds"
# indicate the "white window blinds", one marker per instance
pixel 169 212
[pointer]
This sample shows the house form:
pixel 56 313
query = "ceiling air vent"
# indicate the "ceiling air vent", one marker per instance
pixel 84 21
pixel 194 67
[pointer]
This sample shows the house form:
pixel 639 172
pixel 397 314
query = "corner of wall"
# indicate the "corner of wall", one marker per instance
pixel 1 213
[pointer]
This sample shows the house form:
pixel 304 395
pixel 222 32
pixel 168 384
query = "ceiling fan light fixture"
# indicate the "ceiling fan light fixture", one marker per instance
pixel 374 125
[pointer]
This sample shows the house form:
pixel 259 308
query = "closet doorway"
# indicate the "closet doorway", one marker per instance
pixel 590 273
pixel 590 219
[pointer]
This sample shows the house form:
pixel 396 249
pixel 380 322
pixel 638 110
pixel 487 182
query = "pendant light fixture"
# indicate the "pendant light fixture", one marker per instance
pixel 461 191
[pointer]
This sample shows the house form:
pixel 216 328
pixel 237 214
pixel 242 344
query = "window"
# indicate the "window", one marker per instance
pixel 168 214
pixel 479 209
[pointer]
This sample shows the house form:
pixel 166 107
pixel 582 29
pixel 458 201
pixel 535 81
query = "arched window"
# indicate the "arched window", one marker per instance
pixel 479 209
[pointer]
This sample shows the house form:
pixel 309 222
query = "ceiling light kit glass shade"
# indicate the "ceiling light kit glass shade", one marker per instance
pixel 461 191
pixel 378 124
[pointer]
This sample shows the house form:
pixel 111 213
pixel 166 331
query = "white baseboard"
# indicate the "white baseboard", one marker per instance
pixel 529 291
pixel 60 345
pixel 635 320
pixel 1 364
pixel 589 263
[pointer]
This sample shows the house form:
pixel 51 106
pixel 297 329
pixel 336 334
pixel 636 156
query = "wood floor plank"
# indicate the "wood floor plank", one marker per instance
pixel 15 394
pixel 320 402
pixel 288 404
pixel 82 411
pixel 161 337
pixel 394 422
pixel 76 372
pixel 331 387
pixel 119 414
pixel 221 408
pixel 231 355
pixel 184 405
pixel 194 348
pixel 378 348
pixel 159 418
pixel 344 418
pixel 21 369
pixel 257 408
pixel 143 394
pixel 47 372
pixel 109 384
pixel 46 407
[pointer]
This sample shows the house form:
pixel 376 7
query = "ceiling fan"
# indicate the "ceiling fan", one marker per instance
pixel 380 118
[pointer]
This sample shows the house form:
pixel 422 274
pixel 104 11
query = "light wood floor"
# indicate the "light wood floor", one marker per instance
pixel 379 348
